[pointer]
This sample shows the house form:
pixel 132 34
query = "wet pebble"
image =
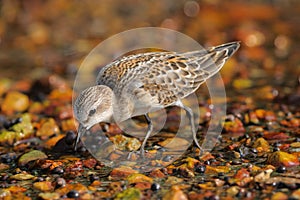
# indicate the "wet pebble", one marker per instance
pixel 93 178
pixel 175 193
pixel 236 162
pixel 39 179
pixel 8 124
pixel 226 179
pixel 8 158
pixel 253 150
pixel 70 137
pixel 200 169
pixel 73 194
pixel 276 149
pixel 279 195
pixel 48 128
pixel 207 162
pixel 31 156
pixel 280 158
pixel 155 186
pixel 57 170
pixel 60 182
pixel 14 102
pixel 43 186
pixel 212 197
pixel 281 169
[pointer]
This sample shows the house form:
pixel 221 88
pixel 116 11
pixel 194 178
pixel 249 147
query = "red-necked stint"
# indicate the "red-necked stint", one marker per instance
pixel 141 83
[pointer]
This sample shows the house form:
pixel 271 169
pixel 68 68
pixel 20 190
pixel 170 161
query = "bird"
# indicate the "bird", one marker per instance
pixel 138 84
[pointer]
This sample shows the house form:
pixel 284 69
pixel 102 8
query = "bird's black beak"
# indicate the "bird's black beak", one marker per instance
pixel 81 130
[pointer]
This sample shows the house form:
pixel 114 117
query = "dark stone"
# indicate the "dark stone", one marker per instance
pixel 70 137
pixel 281 169
pixel 155 186
pixel 73 194
pixel 58 170
pixel 200 169
pixel 93 177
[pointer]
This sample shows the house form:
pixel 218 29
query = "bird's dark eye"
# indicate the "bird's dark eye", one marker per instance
pixel 92 112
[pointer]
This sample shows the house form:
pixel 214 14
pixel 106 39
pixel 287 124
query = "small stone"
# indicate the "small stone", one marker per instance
pixel 295 144
pixel 157 174
pixel 279 196
pixel 233 125
pixel 233 191
pixel 207 162
pixel 14 102
pixel 22 176
pixel 280 158
pixel 155 186
pixel 8 158
pixel 254 150
pixel 276 149
pixel 13 122
pixel 93 178
pixel 48 128
pixel 261 145
pixel 236 162
pixel 70 137
pixel 31 156
pixel 242 174
pixel 18 131
pixel 60 182
pixel 126 143
pixel 89 163
pixel 216 169
pixel 43 186
pixel 172 144
pixel 68 124
pixel 175 193
pixel 39 179
pixel 227 179
pixel 53 141
pixel 173 180
pixel 135 178
pixel 296 194
pixel 3 167
pixel 213 197
pixel 49 195
pixel 57 170
pixel 122 172
pixel 281 169
pixel 200 169
pixel 73 194
pixel 263 176
pixel 130 193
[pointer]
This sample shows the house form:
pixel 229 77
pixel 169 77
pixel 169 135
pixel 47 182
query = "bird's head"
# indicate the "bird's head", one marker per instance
pixel 94 105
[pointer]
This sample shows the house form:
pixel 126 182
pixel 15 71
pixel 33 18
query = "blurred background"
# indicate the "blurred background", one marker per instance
pixel 40 37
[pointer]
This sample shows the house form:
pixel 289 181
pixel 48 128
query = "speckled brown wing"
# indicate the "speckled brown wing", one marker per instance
pixel 159 79
pixel 178 75
pixel 122 71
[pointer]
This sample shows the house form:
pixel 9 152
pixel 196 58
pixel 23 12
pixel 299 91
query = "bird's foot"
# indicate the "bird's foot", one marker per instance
pixel 142 153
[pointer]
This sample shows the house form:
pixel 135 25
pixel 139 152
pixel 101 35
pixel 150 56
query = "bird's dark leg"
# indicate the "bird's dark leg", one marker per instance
pixel 190 115
pixel 149 131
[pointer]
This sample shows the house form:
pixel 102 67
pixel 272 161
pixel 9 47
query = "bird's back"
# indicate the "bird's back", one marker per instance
pixel 159 79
